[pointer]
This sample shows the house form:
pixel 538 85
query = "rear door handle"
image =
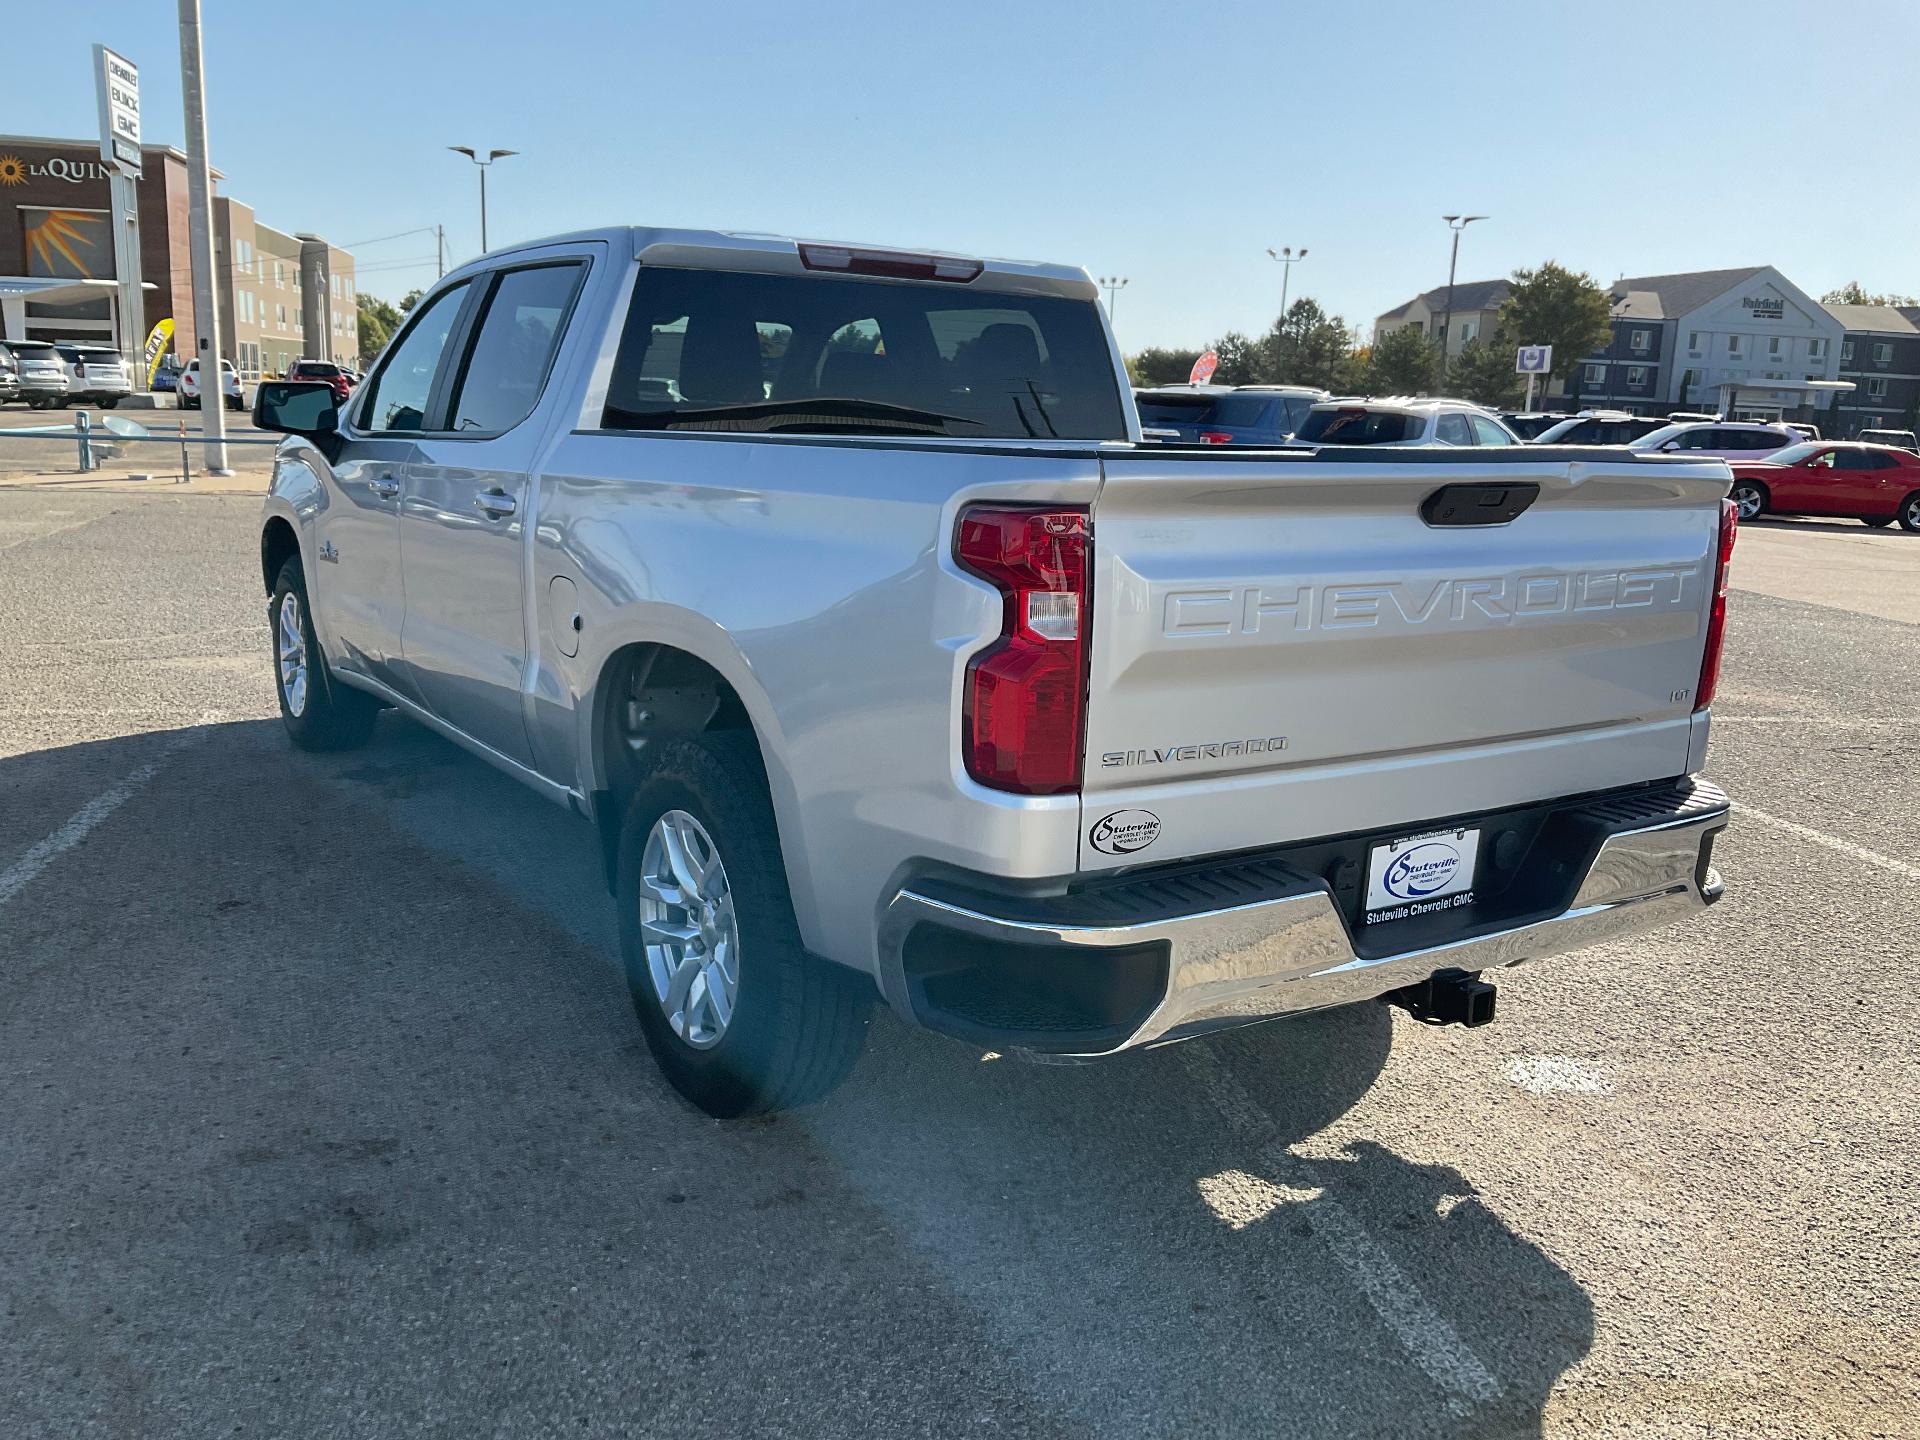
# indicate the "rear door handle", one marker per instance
pixel 496 503
pixel 383 485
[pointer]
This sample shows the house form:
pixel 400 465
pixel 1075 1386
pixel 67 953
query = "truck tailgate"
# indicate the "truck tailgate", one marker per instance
pixel 1284 649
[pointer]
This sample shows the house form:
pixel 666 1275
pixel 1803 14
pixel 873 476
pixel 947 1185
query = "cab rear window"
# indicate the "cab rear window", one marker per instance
pixel 763 354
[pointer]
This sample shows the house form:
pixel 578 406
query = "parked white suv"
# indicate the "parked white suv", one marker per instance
pixel 229 384
pixel 1409 421
pixel 1729 439
pixel 96 373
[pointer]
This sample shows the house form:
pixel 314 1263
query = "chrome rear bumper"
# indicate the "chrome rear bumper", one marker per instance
pixel 1236 963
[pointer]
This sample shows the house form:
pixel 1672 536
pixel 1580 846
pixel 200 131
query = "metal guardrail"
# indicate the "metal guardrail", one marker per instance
pixel 94 446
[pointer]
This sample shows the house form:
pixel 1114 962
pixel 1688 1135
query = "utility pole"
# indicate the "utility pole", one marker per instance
pixel 439 252
pixel 206 299
pixel 1113 285
pixel 485 165
pixel 1455 223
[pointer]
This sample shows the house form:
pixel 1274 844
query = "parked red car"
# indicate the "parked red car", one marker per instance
pixel 323 370
pixel 1874 483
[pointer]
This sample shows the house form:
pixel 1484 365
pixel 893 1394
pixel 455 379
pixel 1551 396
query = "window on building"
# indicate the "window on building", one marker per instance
pixel 1466 331
pixel 1596 376
pixel 1774 343
pixel 1876 387
pixel 1641 341
pixel 1636 377
pixel 1882 352
pixel 1846 352
pixel 1817 348
pixel 1693 342
pixel 1737 346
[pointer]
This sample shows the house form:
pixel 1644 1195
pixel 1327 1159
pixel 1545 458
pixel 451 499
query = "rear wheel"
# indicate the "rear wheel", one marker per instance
pixel 1876 522
pixel 739 1017
pixel 1910 512
pixel 1749 498
pixel 109 402
pixel 319 712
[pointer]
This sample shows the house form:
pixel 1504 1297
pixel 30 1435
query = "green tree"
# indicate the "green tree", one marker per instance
pixel 1483 371
pixel 1552 305
pixel 1306 346
pixel 410 299
pixel 1403 363
pixel 1157 365
pixel 1854 293
pixel 378 321
pixel 1240 360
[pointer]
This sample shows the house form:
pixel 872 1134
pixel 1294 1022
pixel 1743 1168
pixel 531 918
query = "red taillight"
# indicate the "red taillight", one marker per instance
pixel 1026 693
pixel 1717 620
pixel 1215 437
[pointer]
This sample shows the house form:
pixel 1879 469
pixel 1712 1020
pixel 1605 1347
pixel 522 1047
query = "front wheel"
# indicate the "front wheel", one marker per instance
pixel 1910 512
pixel 1749 499
pixel 110 402
pixel 739 1017
pixel 1876 522
pixel 319 712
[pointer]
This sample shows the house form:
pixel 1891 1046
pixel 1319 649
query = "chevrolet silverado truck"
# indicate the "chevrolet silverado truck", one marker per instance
pixel 834 586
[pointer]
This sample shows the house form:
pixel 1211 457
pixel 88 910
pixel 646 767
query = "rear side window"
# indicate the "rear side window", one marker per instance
pixel 1359 427
pixel 761 354
pixel 1486 432
pixel 513 348
pixel 1452 430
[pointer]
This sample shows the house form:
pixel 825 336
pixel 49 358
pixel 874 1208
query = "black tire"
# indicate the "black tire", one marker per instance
pixel 1910 512
pixel 109 402
pixel 1876 522
pixel 1749 492
pixel 798 1023
pixel 330 715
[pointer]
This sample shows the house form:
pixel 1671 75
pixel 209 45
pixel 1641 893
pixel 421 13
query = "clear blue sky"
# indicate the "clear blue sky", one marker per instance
pixel 1169 143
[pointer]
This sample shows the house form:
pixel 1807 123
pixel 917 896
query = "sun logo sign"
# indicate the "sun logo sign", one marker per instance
pixel 13 170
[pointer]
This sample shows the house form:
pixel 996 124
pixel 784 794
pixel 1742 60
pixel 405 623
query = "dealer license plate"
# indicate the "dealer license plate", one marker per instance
pixel 1421 874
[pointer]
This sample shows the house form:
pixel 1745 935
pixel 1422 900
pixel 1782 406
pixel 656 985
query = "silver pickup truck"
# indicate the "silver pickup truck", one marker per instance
pixel 834 586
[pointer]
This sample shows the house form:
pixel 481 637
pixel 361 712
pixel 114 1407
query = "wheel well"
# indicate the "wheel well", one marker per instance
pixel 648 696
pixel 278 544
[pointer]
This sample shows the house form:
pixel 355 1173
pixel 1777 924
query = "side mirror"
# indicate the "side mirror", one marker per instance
pixel 296 407
pixel 1669 446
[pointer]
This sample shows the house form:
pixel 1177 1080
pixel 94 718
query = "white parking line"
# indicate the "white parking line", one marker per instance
pixel 1430 1342
pixel 17 876
pixel 1832 842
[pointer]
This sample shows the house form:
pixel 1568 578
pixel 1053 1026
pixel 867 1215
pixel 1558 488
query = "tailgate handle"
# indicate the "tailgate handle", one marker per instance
pixel 1478 504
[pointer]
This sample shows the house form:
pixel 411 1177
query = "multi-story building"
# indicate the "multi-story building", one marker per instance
pixel 1475 313
pixel 1880 354
pixel 1746 342
pixel 281 296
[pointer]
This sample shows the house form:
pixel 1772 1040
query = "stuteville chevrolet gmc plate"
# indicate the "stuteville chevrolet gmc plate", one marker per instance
pixel 834 586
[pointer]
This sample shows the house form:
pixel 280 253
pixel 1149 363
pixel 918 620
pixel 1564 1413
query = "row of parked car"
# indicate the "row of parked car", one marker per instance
pixel 52 374
pixel 1778 468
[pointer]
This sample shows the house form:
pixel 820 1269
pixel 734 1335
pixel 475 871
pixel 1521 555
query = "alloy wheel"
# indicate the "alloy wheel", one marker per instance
pixel 688 927
pixel 293 655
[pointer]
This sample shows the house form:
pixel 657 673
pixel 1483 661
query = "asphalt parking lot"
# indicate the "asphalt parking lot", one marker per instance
pixel 324 1112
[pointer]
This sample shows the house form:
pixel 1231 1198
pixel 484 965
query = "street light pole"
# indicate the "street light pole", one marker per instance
pixel 1286 255
pixel 206 299
pixel 1455 223
pixel 1113 285
pixel 473 155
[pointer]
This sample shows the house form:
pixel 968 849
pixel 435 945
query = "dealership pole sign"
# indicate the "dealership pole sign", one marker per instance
pixel 1533 360
pixel 118 80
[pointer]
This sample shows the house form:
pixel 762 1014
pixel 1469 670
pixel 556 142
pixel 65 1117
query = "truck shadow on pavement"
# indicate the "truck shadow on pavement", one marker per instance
pixel 376 1064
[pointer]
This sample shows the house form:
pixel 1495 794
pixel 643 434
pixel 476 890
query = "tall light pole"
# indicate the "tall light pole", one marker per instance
pixel 1455 223
pixel 1286 255
pixel 1113 285
pixel 492 155
pixel 206 299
